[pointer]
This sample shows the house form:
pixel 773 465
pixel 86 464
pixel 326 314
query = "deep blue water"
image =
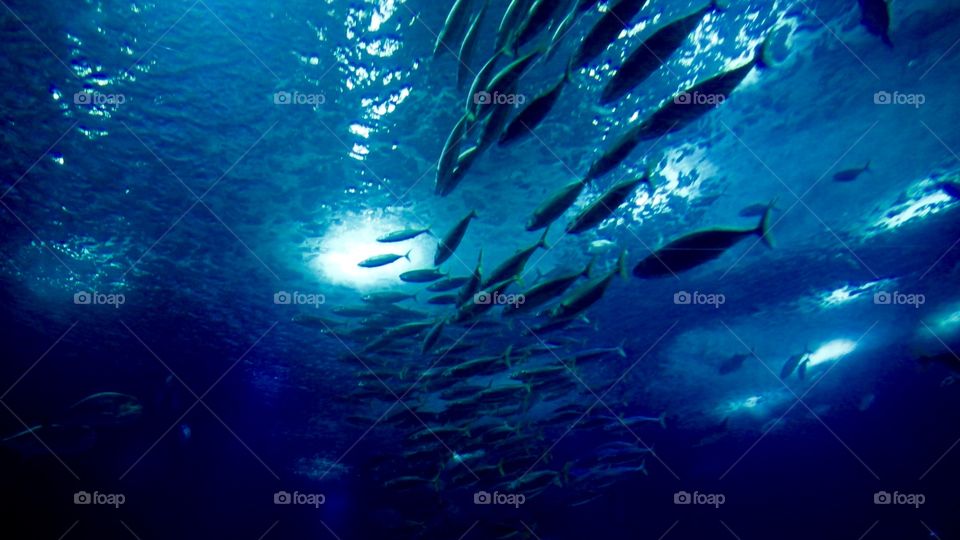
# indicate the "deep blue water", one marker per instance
pixel 146 157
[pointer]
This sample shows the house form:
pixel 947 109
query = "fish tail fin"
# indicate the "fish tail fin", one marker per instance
pixel 565 472
pixel 586 269
pixel 500 468
pixel 506 356
pixel 663 419
pixel 407 254
pixel 764 228
pixel 620 350
pixel 622 264
pixel 760 57
pixel 542 242
pixel 643 467
pixel 867 166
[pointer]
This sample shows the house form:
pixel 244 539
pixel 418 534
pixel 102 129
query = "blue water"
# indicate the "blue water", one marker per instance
pixel 148 164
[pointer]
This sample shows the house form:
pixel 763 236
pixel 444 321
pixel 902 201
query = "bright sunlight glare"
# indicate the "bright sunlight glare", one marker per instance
pixel 831 350
pixel 354 238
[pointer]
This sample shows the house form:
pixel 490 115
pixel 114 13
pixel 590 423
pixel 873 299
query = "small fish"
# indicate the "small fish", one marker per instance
pixel 507 32
pixel 589 294
pixel 677 112
pixel 448 284
pixel 480 82
pixel 605 31
pixel 433 336
pixel 103 409
pixel 530 117
pixel 401 235
pixel 451 241
pixel 542 293
pixel 849 175
pixel 515 263
pixel 386 297
pixel 449 157
pixel 425 275
pixel 382 260
pixel 555 206
pixel 453 27
pixel 472 286
pixel 734 363
pixel 504 81
pixel 876 19
pixel 605 205
pixel 468 46
pixel 652 53
pixel 539 16
pixel 464 163
pixel 698 248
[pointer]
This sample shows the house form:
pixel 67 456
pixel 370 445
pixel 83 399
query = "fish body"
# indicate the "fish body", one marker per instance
pixel 453 27
pixel 433 336
pixel 542 293
pixel 402 235
pixel 698 248
pixel 472 285
pixel 382 260
pixel 849 175
pixel 504 81
pixel 676 113
pixel 465 56
pixel 605 205
pixel 792 363
pixel 386 297
pixel 448 284
pixel 515 264
pixel 555 206
pixel 734 363
pixel 876 19
pixel 589 294
pixel 479 85
pixel 443 300
pixel 652 53
pixel 449 157
pixel 425 275
pixel 451 241
pixel 507 32
pixel 530 116
pixel 605 31
pixel 539 16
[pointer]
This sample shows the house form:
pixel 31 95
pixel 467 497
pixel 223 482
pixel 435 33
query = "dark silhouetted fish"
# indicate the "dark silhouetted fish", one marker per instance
pixel 448 284
pixel 402 235
pixel 449 243
pixel 849 175
pixel 793 362
pixel 556 205
pixel 382 260
pixel 652 53
pixel 542 293
pixel 514 265
pixel 605 31
pixel 449 157
pixel 876 19
pixel 698 248
pixel 539 16
pixel 425 275
pixel 589 294
pixel 530 116
pixel 605 205
pixel 453 27
pixel 677 113
pixel 503 83
pixel 469 45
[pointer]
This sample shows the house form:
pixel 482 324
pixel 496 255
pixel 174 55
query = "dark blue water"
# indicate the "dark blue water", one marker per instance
pixel 158 194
